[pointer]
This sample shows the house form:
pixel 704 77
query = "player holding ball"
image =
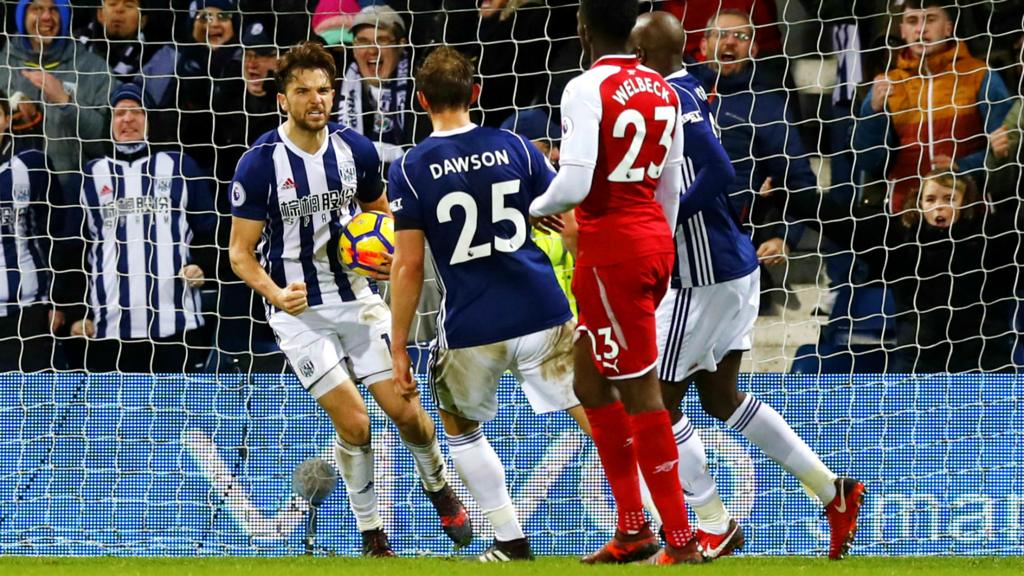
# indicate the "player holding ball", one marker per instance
pixel 293 192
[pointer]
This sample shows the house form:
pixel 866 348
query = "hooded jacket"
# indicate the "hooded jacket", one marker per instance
pixel 943 105
pixel 77 131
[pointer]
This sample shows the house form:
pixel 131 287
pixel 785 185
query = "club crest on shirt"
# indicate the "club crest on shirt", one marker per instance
pixel 237 194
pixel 21 194
pixel 307 367
pixel 163 185
pixel 348 174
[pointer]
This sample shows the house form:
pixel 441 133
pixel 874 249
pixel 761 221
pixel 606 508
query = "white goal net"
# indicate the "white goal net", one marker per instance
pixel 146 407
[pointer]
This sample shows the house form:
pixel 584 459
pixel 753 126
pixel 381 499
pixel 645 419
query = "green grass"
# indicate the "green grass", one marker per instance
pixel 554 566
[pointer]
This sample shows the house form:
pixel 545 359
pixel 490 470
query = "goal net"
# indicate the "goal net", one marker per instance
pixel 146 412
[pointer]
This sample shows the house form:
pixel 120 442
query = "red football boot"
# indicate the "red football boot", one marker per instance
pixel 624 548
pixel 688 554
pixel 842 514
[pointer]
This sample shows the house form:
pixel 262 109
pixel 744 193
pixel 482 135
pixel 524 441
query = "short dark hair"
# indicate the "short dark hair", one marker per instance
pixel 446 80
pixel 947 6
pixel 5 104
pixel 303 56
pixel 611 19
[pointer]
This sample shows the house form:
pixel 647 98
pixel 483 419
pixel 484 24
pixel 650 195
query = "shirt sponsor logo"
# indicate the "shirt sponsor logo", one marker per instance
pixel 135 206
pixel 330 201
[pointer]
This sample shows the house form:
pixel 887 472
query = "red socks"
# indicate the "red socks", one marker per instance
pixel 659 460
pixel 623 441
pixel 614 440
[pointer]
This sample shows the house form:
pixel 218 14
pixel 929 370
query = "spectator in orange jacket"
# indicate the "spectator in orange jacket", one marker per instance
pixel 932 111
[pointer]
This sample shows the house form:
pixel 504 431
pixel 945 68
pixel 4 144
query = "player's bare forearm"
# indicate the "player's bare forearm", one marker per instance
pixel 378 205
pixel 571 232
pixel 241 251
pixel 406 283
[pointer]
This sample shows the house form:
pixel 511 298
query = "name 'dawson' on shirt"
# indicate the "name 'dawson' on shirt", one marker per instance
pixel 468 163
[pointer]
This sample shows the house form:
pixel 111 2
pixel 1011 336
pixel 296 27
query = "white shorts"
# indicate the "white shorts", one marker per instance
pixel 353 335
pixel 698 326
pixel 464 381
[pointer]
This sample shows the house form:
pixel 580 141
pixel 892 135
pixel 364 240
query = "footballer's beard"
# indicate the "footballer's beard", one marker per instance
pixel 310 123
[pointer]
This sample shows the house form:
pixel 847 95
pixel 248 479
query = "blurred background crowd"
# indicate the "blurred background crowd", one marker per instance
pixel 880 138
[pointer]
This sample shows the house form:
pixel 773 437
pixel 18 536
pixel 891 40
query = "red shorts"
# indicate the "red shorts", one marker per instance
pixel 616 306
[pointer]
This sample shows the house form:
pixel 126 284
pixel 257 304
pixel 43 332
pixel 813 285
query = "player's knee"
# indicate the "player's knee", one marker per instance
pixel 456 425
pixel 408 418
pixel 353 428
pixel 720 406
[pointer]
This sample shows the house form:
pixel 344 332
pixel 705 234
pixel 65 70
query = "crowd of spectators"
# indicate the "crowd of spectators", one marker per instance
pixel 122 121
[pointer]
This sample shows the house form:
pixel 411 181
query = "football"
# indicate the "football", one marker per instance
pixel 363 243
pixel 314 480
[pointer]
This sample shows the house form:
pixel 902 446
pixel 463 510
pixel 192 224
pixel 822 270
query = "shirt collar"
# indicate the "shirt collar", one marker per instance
pixel 454 131
pixel 616 60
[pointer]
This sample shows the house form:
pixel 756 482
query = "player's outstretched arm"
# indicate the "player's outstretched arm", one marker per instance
pixel 406 285
pixel 567 191
pixel 581 129
pixel 244 235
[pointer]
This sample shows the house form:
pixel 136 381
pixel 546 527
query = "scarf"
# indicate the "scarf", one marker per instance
pixel 388 112
pixel 124 57
pixel 130 151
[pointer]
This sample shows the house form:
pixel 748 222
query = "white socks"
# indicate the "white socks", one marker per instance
pixel 429 464
pixel 698 486
pixel 356 465
pixel 483 474
pixel 763 426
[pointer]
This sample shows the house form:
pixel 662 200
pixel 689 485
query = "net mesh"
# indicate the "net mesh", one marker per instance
pixel 851 282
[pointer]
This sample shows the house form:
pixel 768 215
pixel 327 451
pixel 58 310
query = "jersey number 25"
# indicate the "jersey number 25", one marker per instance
pixel 625 171
pixel 464 248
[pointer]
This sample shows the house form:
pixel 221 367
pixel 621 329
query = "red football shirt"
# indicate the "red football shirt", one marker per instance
pixel 619 118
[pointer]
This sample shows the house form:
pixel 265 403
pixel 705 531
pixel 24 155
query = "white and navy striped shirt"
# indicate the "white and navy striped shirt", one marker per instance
pixel 141 216
pixel 710 246
pixel 305 200
pixel 26 187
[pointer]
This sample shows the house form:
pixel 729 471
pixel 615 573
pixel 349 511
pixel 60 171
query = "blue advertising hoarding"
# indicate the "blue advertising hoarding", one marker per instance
pixel 201 465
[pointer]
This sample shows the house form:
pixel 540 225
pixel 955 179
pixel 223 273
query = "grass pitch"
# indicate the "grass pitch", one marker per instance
pixel 555 566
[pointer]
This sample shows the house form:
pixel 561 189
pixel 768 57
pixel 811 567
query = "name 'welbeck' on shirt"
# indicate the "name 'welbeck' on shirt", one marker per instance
pixel 633 86
pixel 469 163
